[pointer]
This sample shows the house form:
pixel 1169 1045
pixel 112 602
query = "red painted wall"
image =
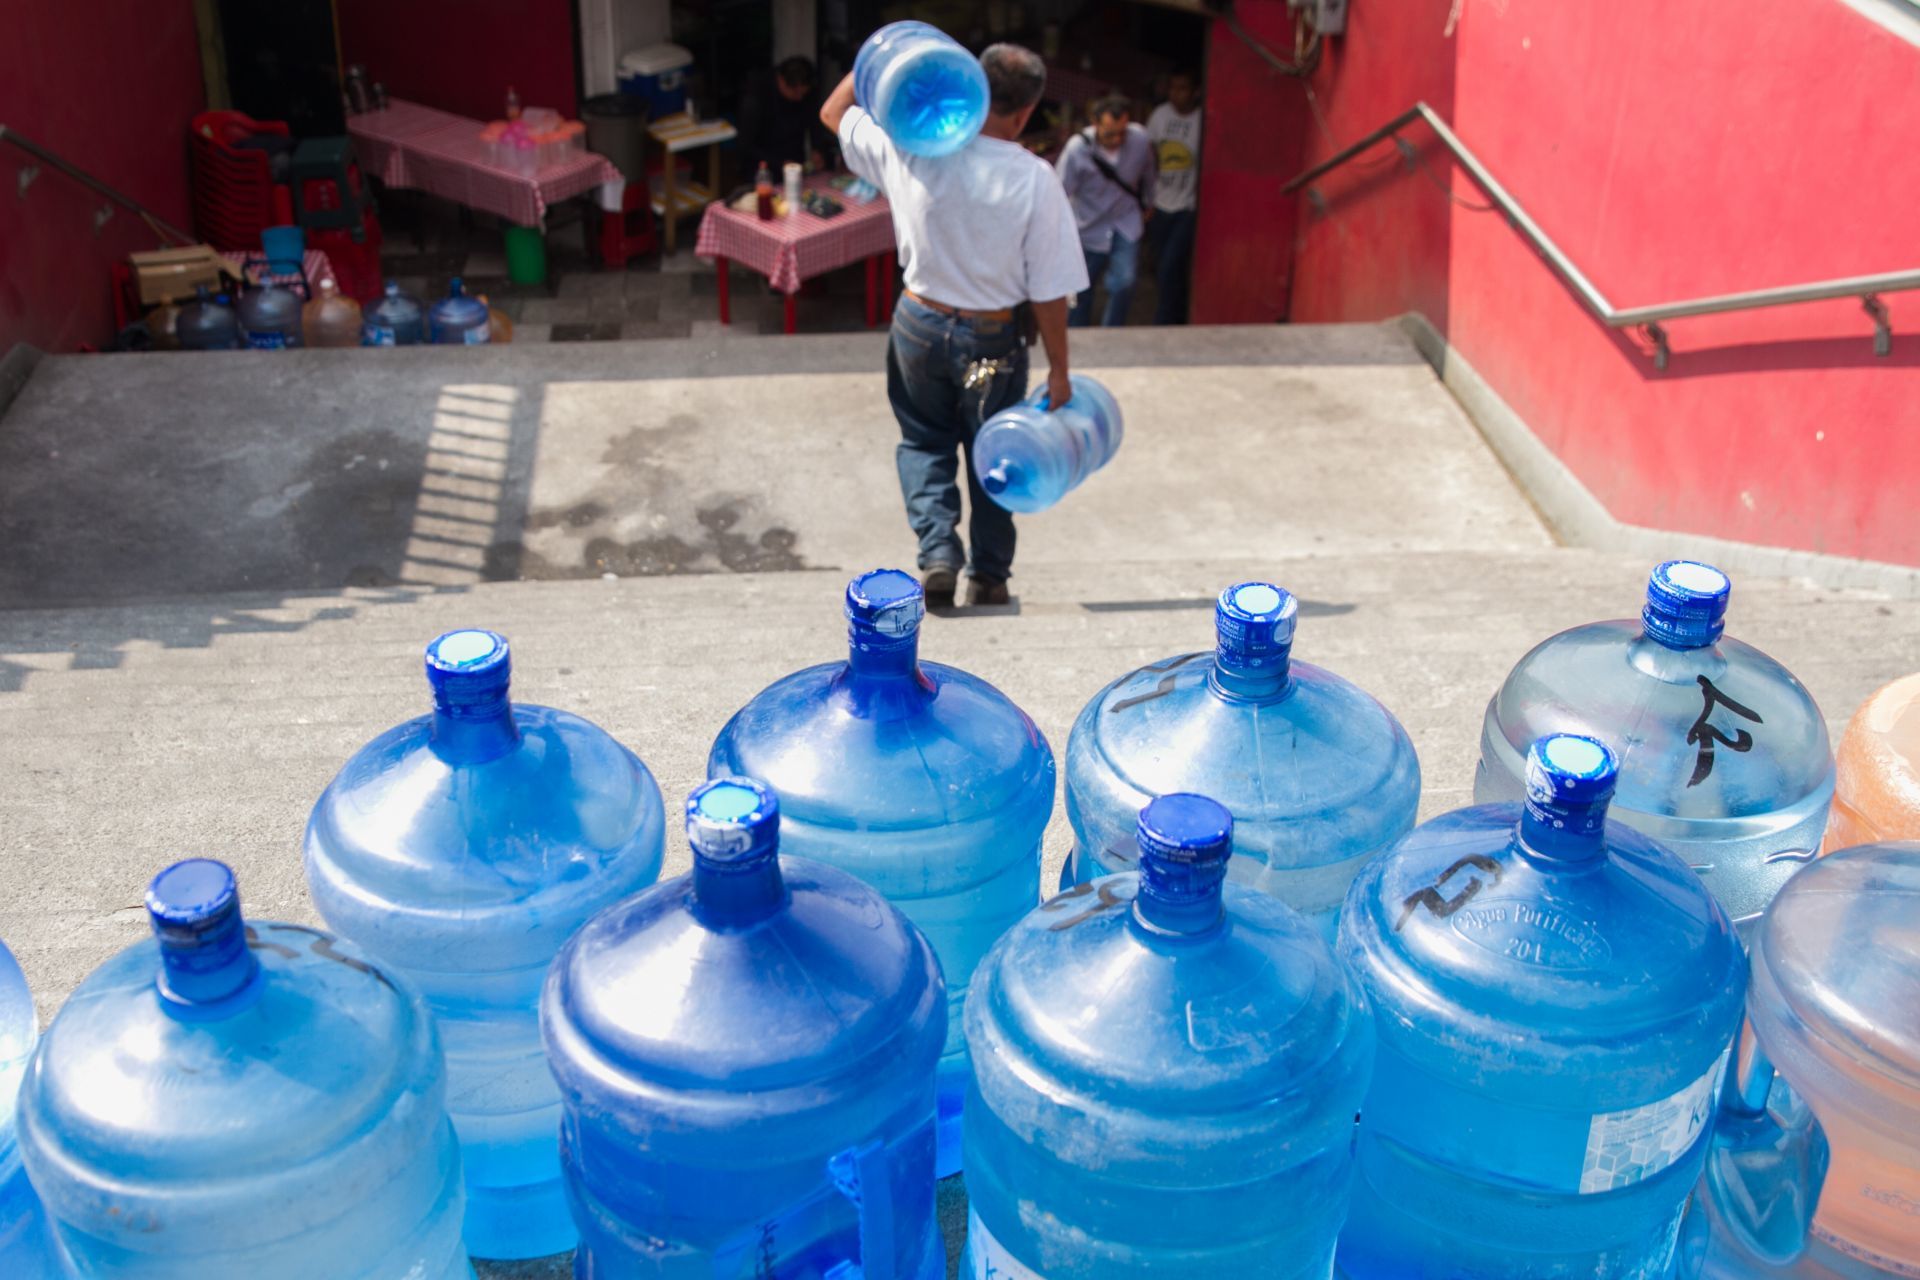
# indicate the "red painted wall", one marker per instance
pixel 1673 151
pixel 460 55
pixel 111 86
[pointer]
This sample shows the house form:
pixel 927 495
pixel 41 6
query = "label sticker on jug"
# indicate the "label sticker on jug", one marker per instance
pixel 987 1260
pixel 379 335
pixel 1625 1147
pixel 474 337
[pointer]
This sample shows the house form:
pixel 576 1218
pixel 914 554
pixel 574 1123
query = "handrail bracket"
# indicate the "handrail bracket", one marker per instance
pixel 1882 324
pixel 1654 334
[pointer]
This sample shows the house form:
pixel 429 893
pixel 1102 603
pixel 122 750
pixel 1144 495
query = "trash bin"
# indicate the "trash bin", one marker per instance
pixel 617 129
pixel 526 254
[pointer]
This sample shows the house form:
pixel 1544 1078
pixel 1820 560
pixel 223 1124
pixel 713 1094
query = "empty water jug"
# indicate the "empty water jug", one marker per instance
pixel 1165 1071
pixel 462 848
pixel 924 781
pixel 26 1250
pixel 269 316
pixel 243 1098
pixel 919 85
pixel 1319 776
pixel 747 1057
pixel 394 319
pixel 207 323
pixel 1554 995
pixel 1876 790
pixel 331 319
pixel 1030 456
pixel 459 319
pixel 1723 754
pixel 1815 1168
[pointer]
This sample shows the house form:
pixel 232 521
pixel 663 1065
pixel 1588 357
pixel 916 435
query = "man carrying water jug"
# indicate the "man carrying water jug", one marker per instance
pixel 991 254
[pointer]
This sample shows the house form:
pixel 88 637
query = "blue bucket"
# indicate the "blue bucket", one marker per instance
pixel 286 249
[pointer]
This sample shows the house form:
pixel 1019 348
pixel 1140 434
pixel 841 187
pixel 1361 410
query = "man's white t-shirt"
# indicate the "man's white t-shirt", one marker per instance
pixel 1176 138
pixel 985 228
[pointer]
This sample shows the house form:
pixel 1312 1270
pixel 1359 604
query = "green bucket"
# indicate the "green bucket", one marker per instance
pixel 526 255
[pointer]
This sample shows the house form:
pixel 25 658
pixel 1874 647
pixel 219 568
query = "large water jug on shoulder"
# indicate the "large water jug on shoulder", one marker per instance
pixel 922 87
pixel 1031 455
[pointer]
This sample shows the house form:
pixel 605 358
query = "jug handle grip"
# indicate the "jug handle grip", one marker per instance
pixel 1743 1112
pixel 860 1174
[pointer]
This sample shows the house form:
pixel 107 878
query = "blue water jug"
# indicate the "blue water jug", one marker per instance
pixel 243 1098
pixel 1554 994
pixel 747 1059
pixel 269 316
pixel 459 319
pixel 207 323
pixel 394 319
pixel 1165 1071
pixel 1723 754
pixel 1815 1168
pixel 26 1249
pixel 462 849
pixel 1030 456
pixel 922 87
pixel 1319 776
pixel 924 781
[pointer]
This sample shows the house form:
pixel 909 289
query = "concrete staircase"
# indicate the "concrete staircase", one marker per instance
pixel 195 641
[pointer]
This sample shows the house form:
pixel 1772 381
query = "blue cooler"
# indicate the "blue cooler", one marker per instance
pixel 657 73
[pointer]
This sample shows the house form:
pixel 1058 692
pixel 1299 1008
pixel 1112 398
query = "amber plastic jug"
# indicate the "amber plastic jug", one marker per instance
pixel 1876 794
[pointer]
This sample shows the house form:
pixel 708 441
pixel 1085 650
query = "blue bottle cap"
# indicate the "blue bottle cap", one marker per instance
pixel 886 601
pixel 1570 781
pixel 1185 842
pixel 733 821
pixel 1686 604
pixel 194 907
pixel 1254 624
pixel 469 671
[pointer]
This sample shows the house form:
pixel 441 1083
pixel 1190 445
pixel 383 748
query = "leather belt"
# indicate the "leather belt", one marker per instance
pixel 1003 315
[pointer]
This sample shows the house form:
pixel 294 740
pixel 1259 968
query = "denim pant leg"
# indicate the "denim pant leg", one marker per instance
pixel 1123 268
pixel 1175 262
pixel 925 400
pixel 1082 313
pixel 990 530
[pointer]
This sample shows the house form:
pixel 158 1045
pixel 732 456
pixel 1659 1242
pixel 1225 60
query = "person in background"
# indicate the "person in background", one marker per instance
pixel 1174 129
pixel 780 120
pixel 988 248
pixel 1109 174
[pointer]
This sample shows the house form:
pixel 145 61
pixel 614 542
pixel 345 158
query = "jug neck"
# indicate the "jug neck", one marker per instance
pixel 207 972
pixel 1185 843
pixel 1570 781
pixel 884 609
pixel 473 720
pixel 1253 642
pixel 1686 605
pixel 733 826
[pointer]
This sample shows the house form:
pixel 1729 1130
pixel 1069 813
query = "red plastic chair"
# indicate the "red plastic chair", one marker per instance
pixel 234 195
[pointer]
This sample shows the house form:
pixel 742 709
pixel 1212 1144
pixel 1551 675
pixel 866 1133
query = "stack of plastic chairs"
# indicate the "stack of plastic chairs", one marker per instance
pixel 234 195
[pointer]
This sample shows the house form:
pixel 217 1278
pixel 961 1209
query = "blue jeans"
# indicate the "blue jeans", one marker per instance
pixel 928 354
pixel 1171 237
pixel 1117 268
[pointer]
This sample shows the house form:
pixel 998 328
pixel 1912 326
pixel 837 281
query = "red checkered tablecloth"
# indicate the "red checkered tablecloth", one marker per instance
pixel 789 250
pixel 408 145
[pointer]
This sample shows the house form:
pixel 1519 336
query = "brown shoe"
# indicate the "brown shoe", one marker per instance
pixel 938 582
pixel 987 591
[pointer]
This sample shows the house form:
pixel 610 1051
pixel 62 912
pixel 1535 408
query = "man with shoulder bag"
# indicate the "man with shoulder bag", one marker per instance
pixel 1109 172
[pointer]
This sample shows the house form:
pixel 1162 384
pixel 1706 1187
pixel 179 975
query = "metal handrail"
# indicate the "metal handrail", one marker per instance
pixel 1647 319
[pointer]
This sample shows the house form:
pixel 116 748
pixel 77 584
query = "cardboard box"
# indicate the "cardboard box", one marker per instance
pixel 172 275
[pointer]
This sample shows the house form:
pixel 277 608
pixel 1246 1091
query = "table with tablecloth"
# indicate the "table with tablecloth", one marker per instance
pixel 407 145
pixel 796 248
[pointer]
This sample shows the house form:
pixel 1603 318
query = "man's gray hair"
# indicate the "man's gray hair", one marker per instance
pixel 1016 77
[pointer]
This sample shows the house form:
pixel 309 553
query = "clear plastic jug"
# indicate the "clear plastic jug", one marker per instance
pixel 924 781
pixel 207 324
pixel 331 319
pixel 1876 794
pixel 922 87
pixel 1166 1068
pixel 235 1098
pixel 1554 995
pixel 458 319
pixel 1318 775
pixel 462 849
pixel 746 1055
pixel 395 319
pixel 1030 456
pixel 1723 754
pixel 26 1249
pixel 1815 1167
pixel 269 318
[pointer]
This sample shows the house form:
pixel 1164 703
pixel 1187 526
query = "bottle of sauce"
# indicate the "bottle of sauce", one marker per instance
pixel 763 192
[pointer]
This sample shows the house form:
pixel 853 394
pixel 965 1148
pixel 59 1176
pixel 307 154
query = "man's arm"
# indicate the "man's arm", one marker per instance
pixel 837 104
pixel 1051 319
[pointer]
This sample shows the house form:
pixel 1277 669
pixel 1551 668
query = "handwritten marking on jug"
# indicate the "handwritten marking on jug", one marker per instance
pixel 322 945
pixel 1706 735
pixel 1166 684
pixel 1106 892
pixel 1437 903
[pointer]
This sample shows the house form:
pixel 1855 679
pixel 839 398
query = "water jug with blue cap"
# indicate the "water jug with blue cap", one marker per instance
pixel 458 319
pixel 922 87
pixel 236 1097
pixel 1030 455
pixel 746 1055
pixel 926 782
pixel 1723 754
pixel 1318 775
pixel 1165 1072
pixel 394 319
pixel 26 1248
pixel 462 848
pixel 1554 994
